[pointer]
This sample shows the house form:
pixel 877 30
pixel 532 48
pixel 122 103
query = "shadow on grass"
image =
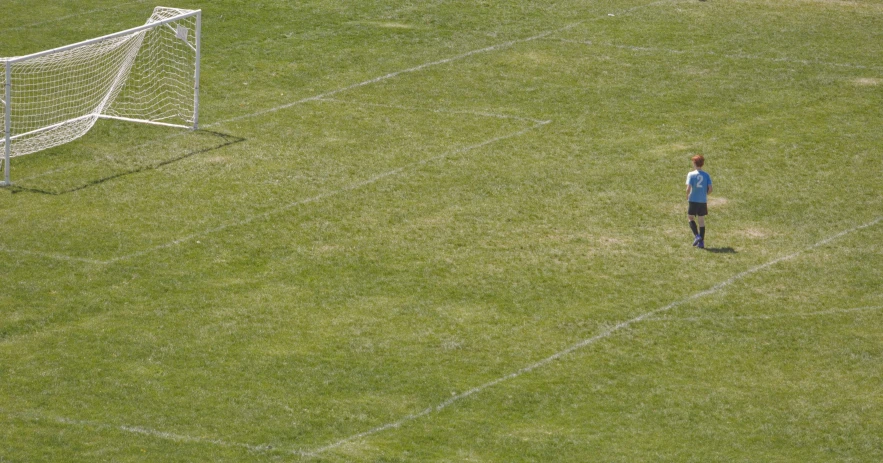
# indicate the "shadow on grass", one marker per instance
pixel 225 140
pixel 727 250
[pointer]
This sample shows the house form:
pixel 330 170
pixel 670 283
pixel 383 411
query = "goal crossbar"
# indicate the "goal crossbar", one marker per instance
pixel 103 38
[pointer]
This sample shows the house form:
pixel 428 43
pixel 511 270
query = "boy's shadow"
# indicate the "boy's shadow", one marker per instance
pixel 726 250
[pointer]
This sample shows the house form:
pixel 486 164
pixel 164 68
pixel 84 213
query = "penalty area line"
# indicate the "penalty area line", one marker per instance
pixel 278 210
pixel 586 342
pixel 730 56
pixel 53 256
pixel 267 447
pixel 768 316
pixel 34 415
pixel 328 96
pixel 391 75
pixel 433 110
pixel 62 18
pixel 322 196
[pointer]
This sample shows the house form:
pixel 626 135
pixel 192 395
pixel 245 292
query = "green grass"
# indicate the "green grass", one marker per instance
pixel 380 275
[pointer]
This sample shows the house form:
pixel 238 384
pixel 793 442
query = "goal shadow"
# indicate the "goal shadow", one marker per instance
pixel 134 161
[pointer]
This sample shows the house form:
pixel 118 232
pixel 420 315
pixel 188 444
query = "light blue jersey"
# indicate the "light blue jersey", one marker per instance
pixel 699 181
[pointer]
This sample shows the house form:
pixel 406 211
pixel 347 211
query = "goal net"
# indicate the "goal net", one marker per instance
pixel 146 74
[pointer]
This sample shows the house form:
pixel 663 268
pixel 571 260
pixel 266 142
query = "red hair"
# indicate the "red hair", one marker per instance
pixel 699 160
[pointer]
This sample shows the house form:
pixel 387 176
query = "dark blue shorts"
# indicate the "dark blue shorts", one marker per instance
pixel 697 209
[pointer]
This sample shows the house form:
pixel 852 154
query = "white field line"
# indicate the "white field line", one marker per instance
pixel 95 161
pixel 332 100
pixel 432 110
pixel 62 18
pixel 492 48
pixel 733 56
pixel 852 4
pixel 326 96
pixel 51 255
pixel 276 210
pixel 351 187
pixel 391 75
pixel 586 342
pixel 157 434
pixel 767 317
pixel 34 415
pixel 648 316
pixel 101 160
pixel 459 397
pixel 50 172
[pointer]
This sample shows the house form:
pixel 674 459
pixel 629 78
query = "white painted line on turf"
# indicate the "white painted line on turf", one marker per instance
pixel 433 110
pixel 332 100
pixel 62 18
pixel 767 317
pixel 390 76
pixel 586 342
pixel 100 160
pixel 34 415
pixel 159 434
pixel 274 211
pixel 374 179
pixel 50 255
pixel 123 154
pixel 499 46
pixel 459 397
pixel 351 187
pixel 733 56
pixel 190 439
pixel 646 317
pixel 325 96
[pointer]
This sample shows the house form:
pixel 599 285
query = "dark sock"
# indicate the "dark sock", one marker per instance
pixel 693 227
pixel 702 233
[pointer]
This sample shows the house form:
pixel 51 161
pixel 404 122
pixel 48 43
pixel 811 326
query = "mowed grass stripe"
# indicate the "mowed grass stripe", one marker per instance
pixel 347 188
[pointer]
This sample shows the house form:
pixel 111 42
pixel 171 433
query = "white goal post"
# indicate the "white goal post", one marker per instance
pixel 146 74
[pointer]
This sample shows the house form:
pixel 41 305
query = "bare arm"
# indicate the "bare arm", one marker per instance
pixel 709 189
pixel 689 189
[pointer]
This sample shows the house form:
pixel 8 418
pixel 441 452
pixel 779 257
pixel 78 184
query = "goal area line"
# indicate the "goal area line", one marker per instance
pixel 535 124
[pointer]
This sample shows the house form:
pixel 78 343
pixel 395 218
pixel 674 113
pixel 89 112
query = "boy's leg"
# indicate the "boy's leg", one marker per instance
pixel 701 231
pixel 694 229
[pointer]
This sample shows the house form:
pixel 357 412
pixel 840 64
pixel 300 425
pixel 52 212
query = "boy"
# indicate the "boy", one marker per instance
pixel 698 189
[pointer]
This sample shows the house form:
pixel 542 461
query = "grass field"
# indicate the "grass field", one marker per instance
pixel 455 231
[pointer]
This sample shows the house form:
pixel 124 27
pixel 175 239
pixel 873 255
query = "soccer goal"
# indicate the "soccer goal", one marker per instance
pixel 147 74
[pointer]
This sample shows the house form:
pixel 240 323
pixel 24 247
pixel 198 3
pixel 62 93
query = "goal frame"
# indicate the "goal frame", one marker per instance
pixel 8 87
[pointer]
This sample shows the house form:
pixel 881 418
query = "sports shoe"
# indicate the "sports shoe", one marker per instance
pixel 697 240
pixel 701 244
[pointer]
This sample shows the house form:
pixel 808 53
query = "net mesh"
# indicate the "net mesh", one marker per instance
pixel 146 75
